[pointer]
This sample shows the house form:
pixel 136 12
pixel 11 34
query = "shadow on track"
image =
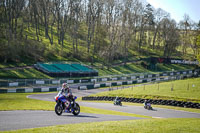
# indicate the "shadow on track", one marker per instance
pixel 81 116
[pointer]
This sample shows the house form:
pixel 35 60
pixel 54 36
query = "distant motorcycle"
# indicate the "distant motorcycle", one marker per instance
pixel 61 107
pixel 148 106
pixel 117 102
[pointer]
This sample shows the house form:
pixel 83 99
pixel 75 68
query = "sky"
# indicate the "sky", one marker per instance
pixel 177 8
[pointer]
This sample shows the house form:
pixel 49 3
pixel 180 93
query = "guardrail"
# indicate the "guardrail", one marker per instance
pixel 134 81
pixel 111 84
pixel 29 90
pixel 141 76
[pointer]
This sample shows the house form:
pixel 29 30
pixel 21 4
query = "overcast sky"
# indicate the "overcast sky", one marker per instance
pixel 177 8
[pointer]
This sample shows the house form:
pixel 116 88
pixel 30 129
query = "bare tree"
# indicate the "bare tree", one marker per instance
pixel 159 15
pixel 91 19
pixel 170 36
pixel 186 27
pixel 98 30
pixel 194 36
pixel 113 21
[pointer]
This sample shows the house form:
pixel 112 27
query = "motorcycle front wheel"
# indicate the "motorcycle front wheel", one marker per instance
pixel 76 109
pixel 58 109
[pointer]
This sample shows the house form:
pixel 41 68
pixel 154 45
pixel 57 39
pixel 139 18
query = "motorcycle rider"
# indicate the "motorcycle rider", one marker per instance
pixel 117 100
pixel 66 91
pixel 145 102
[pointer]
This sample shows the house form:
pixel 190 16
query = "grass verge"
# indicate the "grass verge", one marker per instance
pixel 181 125
pixel 181 90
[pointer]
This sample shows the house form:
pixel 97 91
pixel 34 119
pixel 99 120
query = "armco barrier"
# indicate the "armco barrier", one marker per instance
pixel 185 73
pixel 152 101
pixel 29 90
pixel 110 84
pixel 102 85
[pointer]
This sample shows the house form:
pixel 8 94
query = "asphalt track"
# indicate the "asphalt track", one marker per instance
pixel 13 120
pixel 156 112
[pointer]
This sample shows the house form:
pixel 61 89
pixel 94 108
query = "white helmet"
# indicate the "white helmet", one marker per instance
pixel 64 86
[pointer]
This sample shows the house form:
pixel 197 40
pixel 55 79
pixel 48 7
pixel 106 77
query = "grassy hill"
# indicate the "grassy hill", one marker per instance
pixel 27 51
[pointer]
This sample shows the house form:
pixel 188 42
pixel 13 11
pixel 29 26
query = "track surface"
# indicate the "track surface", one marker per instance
pixel 156 112
pixel 12 120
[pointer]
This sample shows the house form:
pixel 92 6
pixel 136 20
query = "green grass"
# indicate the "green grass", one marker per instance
pixel 109 112
pixel 6 65
pixel 176 67
pixel 117 70
pixel 181 125
pixel 19 101
pixel 184 90
pixel 23 74
pixel 137 68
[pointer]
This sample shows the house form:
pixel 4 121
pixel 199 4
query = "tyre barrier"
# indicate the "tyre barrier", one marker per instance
pixel 152 101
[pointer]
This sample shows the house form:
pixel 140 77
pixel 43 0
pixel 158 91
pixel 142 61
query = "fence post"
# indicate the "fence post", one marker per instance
pixel 172 87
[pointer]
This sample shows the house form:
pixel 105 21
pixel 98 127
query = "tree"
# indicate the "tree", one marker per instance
pixel 170 36
pixel 112 25
pixel 185 26
pixel 159 15
pixel 104 29
pixel 99 30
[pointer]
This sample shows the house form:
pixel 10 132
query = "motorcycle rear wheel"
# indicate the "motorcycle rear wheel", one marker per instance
pixel 58 109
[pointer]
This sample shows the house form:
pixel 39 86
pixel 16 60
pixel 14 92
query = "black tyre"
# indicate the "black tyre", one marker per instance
pixel 149 107
pixel 58 109
pixel 76 109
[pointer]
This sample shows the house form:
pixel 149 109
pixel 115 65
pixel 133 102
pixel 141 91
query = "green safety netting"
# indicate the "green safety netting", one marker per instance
pixel 61 67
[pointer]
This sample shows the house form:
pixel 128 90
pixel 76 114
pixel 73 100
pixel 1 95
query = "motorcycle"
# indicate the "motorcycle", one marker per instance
pixel 148 106
pixel 117 102
pixel 60 107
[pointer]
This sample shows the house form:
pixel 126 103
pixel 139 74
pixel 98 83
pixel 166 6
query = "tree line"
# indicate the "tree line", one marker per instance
pixel 107 29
